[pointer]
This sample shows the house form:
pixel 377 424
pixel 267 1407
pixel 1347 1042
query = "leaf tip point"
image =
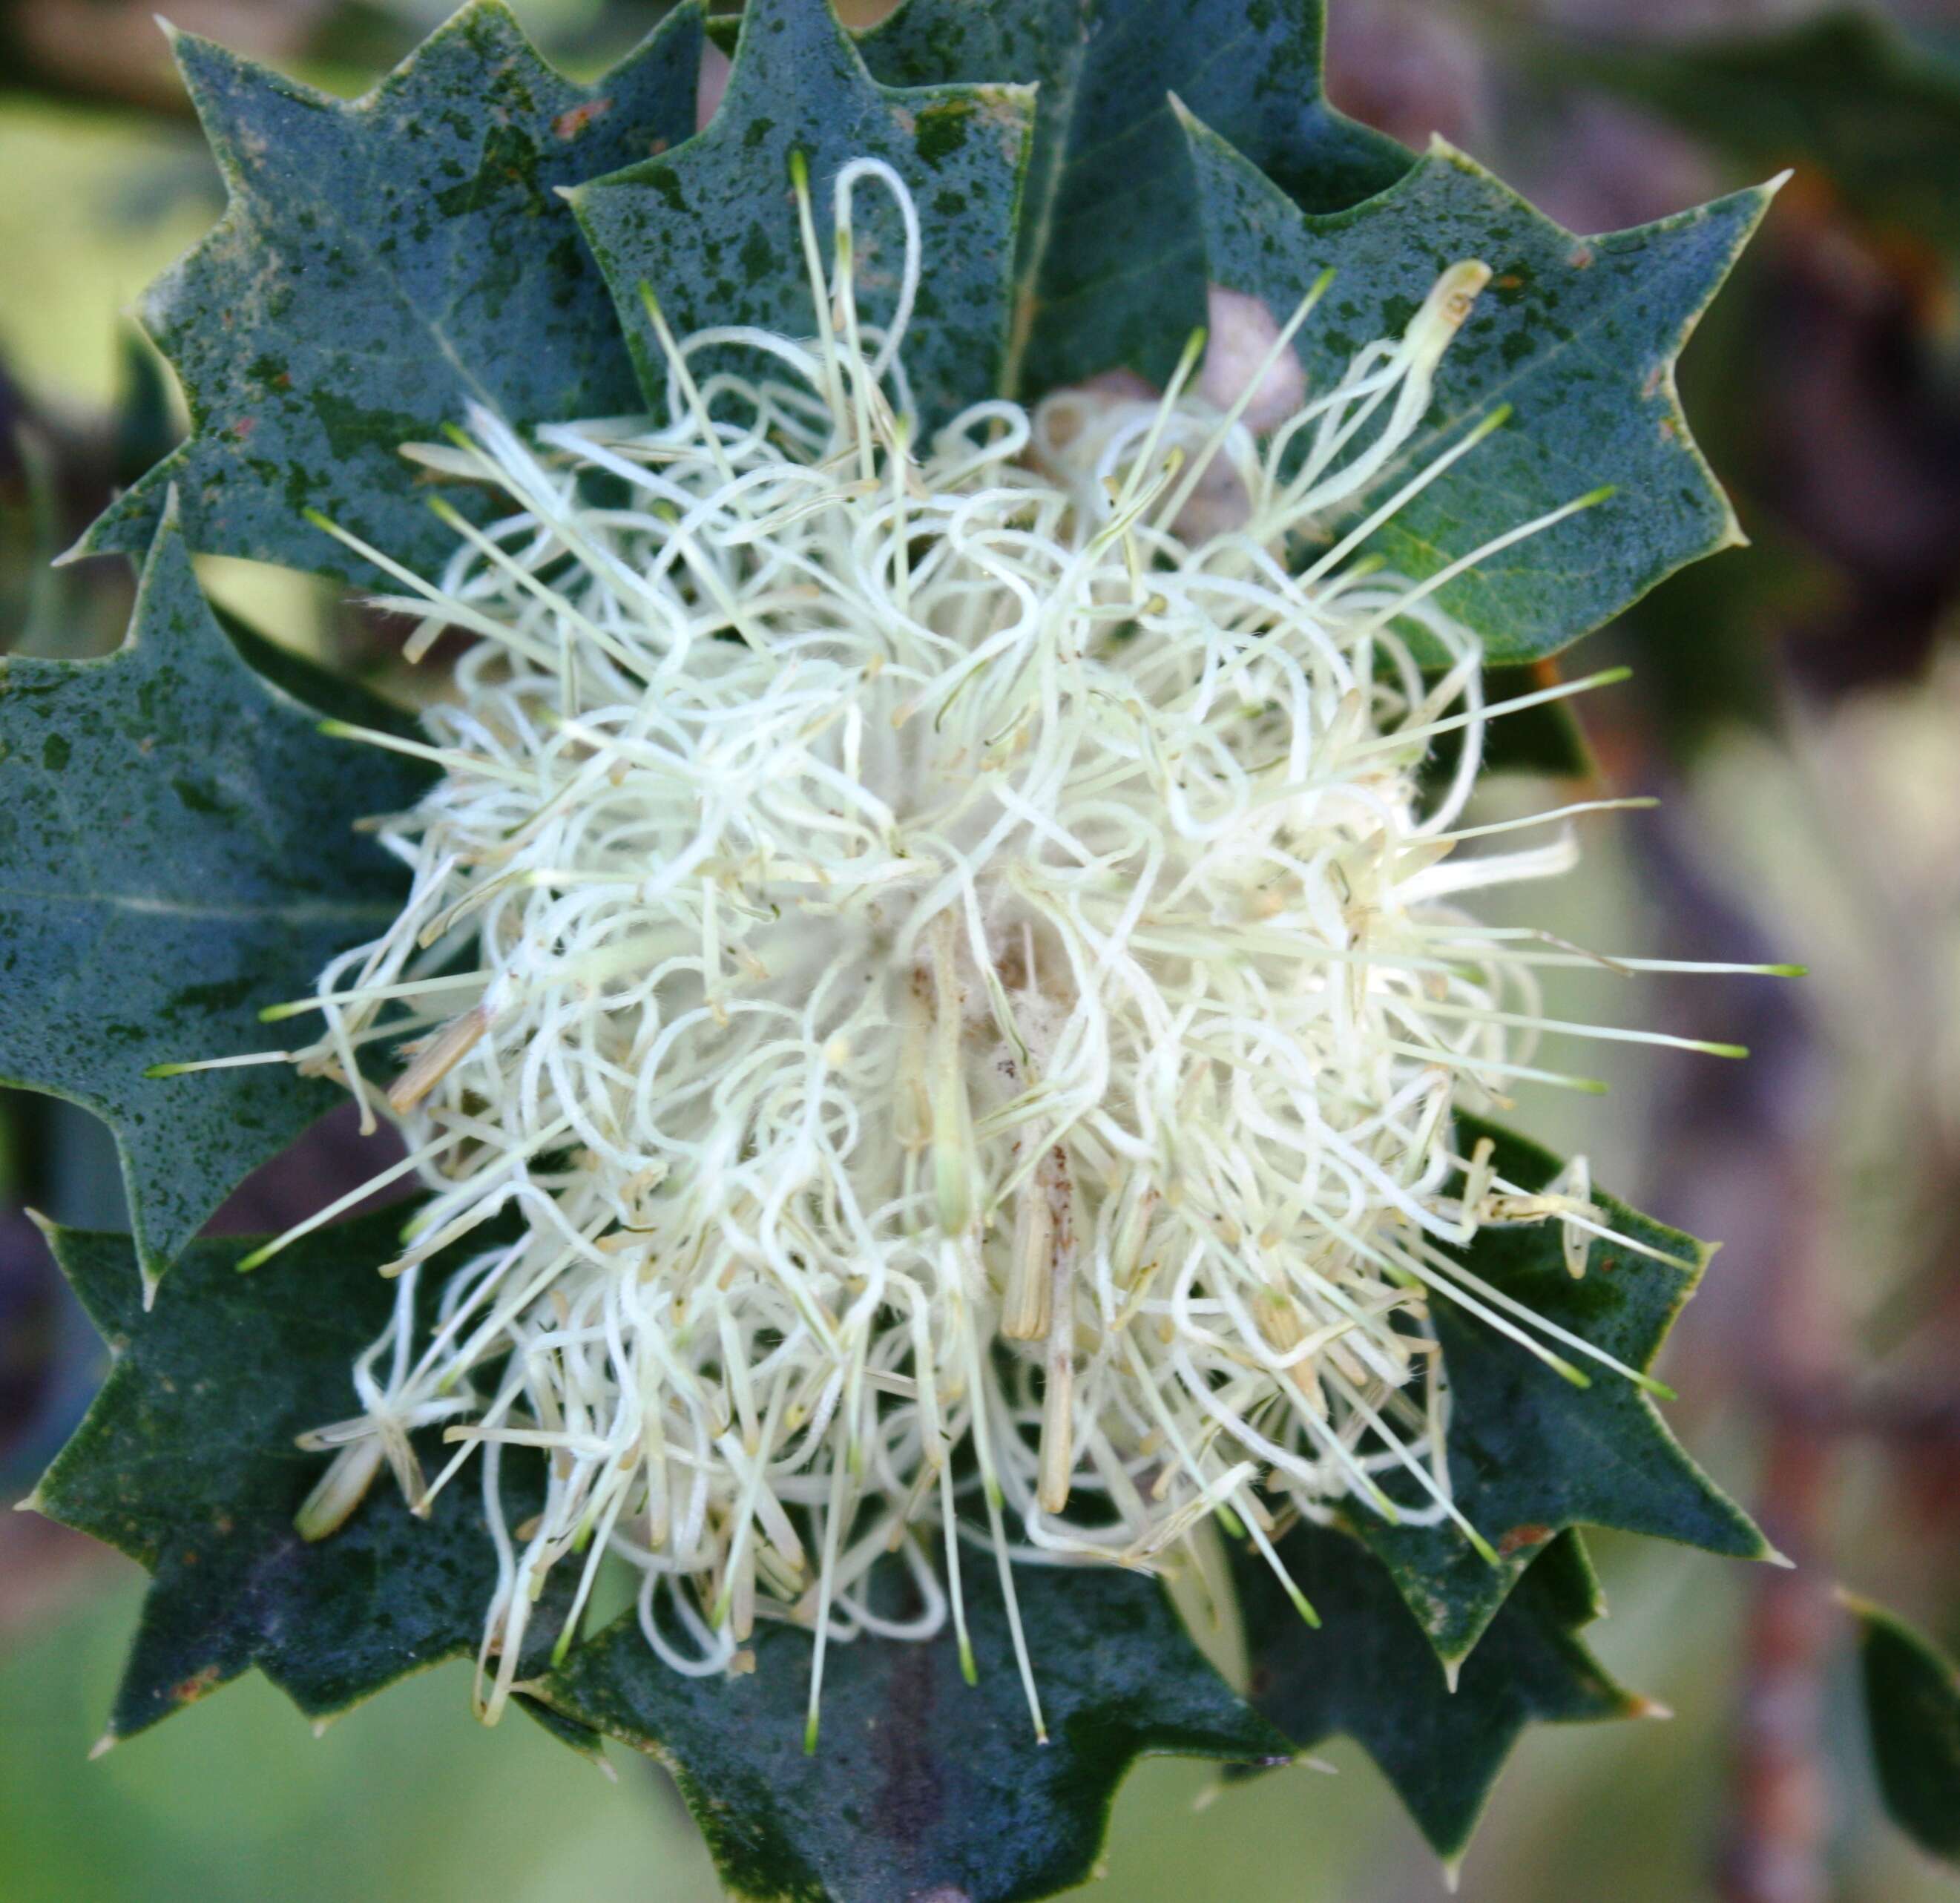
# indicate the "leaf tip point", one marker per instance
pixel 103 1746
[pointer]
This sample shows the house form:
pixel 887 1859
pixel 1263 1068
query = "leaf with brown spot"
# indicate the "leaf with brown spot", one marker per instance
pixel 711 227
pixel 176 850
pixel 186 1463
pixel 381 263
pixel 1582 355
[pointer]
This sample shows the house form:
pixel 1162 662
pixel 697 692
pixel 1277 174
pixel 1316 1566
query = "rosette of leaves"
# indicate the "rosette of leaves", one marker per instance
pixel 177 843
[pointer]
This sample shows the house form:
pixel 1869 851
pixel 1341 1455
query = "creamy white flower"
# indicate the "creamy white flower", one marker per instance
pixel 945 956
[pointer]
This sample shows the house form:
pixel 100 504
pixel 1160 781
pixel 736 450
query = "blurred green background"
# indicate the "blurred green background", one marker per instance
pixel 1798 707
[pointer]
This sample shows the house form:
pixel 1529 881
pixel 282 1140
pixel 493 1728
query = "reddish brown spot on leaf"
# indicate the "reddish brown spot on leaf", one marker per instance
pixel 1519 1537
pixel 189 1691
pixel 569 124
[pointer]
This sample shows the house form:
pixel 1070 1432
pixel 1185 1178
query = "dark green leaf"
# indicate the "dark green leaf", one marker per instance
pixel 186 1463
pixel 379 265
pixel 1546 739
pixel 1579 336
pixel 1912 1703
pixel 1847 93
pixel 712 228
pixel 921 1786
pixel 306 681
pixel 1110 266
pixel 1530 1454
pixel 568 1732
pixel 1368 1671
pixel 175 852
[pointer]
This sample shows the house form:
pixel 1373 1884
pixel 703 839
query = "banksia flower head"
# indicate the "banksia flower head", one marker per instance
pixel 948 957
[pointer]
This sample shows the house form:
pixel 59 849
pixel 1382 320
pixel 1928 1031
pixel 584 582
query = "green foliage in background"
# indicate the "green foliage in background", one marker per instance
pixel 1912 1704
pixel 1875 111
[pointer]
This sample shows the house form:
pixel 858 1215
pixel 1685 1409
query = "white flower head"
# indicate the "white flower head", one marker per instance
pixel 947 959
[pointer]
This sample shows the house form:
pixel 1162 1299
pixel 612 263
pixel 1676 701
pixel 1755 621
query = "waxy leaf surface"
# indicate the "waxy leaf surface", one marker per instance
pixel 1912 1705
pixel 175 851
pixel 186 1463
pixel 1530 1454
pixel 1369 1673
pixel 380 265
pixel 1109 267
pixel 922 1786
pixel 712 227
pixel 1578 336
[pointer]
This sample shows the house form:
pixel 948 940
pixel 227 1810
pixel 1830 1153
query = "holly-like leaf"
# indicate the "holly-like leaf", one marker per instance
pixel 175 851
pixel 1109 269
pixel 1578 336
pixel 1875 112
pixel 1368 1671
pixel 1912 1705
pixel 379 265
pixel 922 1786
pixel 186 1463
pixel 712 228
pixel 1530 1453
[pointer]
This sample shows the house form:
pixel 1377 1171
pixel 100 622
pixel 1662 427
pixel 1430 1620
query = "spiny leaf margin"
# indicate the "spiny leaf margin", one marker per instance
pixel 1579 336
pixel 922 1786
pixel 380 263
pixel 711 228
pixel 1109 264
pixel 175 850
pixel 1441 1738
pixel 186 1462
pixel 1531 1455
